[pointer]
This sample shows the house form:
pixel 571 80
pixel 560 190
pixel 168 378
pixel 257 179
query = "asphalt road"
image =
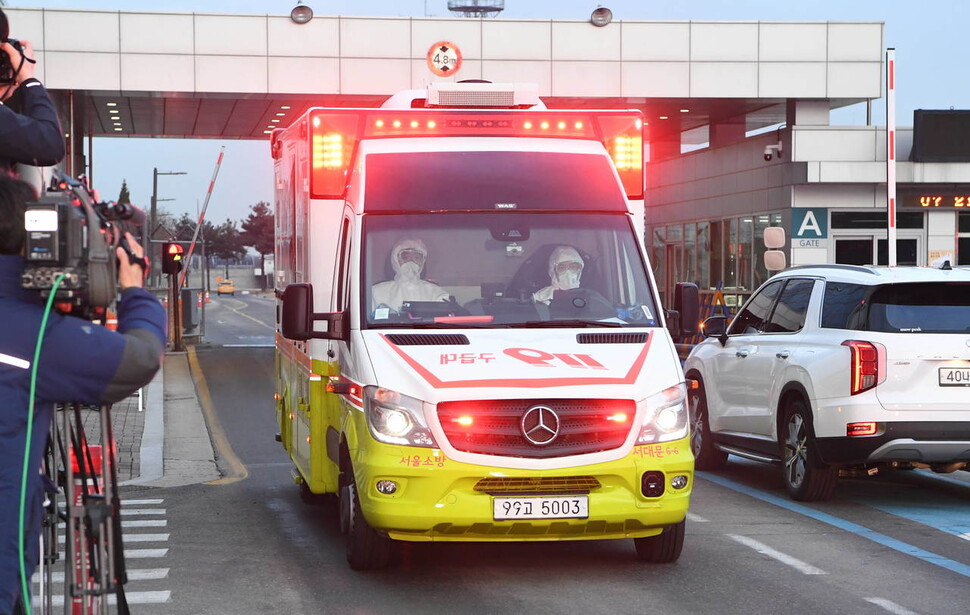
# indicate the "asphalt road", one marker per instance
pixel 898 543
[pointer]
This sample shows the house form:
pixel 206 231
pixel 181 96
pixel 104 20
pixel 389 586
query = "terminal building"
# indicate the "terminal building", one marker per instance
pixel 718 99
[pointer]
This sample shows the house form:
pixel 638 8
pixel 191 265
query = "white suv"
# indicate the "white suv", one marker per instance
pixel 835 367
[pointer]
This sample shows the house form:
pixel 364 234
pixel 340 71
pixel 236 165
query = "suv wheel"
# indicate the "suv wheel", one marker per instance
pixel 367 549
pixel 806 478
pixel 665 547
pixel 706 457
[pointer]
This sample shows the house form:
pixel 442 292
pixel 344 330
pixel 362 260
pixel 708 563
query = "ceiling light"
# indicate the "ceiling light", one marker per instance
pixel 280 114
pixel 663 117
pixel 267 132
pixel 118 129
pixel 685 110
pixel 601 17
pixel 112 104
pixel 285 107
pixel 301 13
pixel 276 119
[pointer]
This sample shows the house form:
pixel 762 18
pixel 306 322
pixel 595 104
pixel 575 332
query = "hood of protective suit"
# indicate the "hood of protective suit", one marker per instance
pixel 408 270
pixel 565 280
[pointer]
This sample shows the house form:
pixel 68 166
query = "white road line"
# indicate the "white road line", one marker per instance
pixel 965 536
pixel 142 511
pixel 140 574
pixel 140 553
pixel 133 538
pixel 778 555
pixel 696 518
pixel 144 523
pixel 141 502
pixel 132 597
pixel 890 606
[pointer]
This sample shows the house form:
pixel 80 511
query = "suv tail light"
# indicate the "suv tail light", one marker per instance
pixel 868 365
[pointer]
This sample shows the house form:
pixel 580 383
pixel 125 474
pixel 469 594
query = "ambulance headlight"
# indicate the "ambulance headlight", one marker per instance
pixel 665 415
pixel 394 418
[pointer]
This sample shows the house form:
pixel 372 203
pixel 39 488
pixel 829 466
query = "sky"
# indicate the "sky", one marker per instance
pixel 930 38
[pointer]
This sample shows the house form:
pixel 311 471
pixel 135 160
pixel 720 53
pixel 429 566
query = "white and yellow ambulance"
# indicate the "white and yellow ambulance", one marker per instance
pixel 470 342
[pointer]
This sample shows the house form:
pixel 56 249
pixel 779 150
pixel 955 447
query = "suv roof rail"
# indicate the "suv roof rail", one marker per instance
pixel 859 268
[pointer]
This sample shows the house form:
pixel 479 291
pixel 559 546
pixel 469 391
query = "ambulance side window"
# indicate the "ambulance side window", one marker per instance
pixel 342 293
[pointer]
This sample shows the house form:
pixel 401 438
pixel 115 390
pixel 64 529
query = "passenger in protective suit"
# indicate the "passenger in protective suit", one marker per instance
pixel 565 271
pixel 407 259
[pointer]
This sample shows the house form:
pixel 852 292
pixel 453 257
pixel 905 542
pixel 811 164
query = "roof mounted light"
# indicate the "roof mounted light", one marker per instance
pixel 301 13
pixel 601 16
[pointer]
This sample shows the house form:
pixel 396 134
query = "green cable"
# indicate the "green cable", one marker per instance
pixel 25 594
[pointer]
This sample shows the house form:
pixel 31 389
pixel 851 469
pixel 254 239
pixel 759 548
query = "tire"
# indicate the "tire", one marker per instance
pixel 706 457
pixel 665 547
pixel 807 478
pixel 367 549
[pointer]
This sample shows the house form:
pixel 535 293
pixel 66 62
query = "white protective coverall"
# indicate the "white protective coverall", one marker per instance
pixel 407 259
pixel 565 271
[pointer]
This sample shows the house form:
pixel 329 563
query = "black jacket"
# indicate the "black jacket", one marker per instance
pixel 33 135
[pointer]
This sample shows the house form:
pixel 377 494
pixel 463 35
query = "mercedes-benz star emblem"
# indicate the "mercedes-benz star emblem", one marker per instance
pixel 540 425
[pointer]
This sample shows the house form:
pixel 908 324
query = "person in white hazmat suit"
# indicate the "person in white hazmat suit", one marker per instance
pixel 407 259
pixel 565 272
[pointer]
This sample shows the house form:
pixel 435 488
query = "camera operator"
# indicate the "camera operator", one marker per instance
pixel 78 362
pixel 30 132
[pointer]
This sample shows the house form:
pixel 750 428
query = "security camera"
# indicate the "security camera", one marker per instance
pixel 772 149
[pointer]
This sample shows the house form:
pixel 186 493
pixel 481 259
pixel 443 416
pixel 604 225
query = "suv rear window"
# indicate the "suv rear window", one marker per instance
pixel 924 307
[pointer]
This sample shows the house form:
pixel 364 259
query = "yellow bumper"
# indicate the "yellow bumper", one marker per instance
pixel 437 500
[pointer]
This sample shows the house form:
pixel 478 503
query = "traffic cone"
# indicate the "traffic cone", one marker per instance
pixel 207 299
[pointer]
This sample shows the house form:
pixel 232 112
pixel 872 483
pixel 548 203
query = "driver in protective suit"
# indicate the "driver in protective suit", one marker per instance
pixel 565 271
pixel 407 259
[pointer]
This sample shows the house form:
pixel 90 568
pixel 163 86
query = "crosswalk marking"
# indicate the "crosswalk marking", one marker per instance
pixel 141 502
pixel 139 518
pixel 139 574
pixel 126 538
pixel 131 523
pixel 156 597
pixel 125 512
pixel 145 553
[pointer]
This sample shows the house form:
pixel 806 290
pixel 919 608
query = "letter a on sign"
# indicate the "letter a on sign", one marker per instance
pixel 810 223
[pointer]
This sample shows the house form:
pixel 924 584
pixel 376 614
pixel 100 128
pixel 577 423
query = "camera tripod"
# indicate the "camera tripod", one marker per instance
pixel 83 494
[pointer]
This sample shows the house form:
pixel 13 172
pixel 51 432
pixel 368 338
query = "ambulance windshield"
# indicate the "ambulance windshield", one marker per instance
pixel 508 269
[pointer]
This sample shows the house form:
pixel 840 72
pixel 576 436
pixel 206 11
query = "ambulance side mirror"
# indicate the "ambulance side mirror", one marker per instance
pixel 298 317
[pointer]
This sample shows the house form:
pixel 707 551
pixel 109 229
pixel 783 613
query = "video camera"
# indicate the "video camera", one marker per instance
pixel 8 72
pixel 70 232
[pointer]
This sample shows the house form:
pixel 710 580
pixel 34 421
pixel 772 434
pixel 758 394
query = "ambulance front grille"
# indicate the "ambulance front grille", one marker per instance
pixel 495 427
pixel 444 339
pixel 611 338
pixel 537 485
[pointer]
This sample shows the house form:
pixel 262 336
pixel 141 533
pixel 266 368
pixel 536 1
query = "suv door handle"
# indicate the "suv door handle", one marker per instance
pixel 744 352
pixel 784 354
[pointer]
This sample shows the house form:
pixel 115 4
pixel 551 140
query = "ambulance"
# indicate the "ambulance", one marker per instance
pixel 470 345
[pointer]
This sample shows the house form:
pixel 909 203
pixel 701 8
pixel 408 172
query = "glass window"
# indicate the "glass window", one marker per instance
pixel 717 254
pixel 920 308
pixel 963 222
pixel 482 269
pixel 789 313
pixel 963 251
pixel 703 247
pixel 875 219
pixel 745 252
pixel 690 251
pixel 755 313
pixel 841 300
pixel 731 260
pixel 658 250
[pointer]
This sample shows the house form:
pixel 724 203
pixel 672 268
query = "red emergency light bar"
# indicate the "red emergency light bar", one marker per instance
pixel 334 134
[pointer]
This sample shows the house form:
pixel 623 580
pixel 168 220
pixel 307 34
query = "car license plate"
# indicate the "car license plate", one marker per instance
pixel 560 507
pixel 955 376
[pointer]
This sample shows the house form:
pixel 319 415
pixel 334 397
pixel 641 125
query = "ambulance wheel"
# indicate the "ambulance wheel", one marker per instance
pixel 665 547
pixel 367 549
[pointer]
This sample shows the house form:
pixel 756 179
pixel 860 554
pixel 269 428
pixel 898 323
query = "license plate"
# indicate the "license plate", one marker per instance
pixel 955 376
pixel 560 507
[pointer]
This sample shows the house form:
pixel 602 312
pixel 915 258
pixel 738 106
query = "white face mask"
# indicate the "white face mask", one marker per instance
pixel 409 271
pixel 568 279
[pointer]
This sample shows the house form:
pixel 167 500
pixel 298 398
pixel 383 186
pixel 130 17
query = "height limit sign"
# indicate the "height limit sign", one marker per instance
pixel 444 59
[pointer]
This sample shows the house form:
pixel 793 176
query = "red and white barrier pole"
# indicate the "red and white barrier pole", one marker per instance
pixel 891 153
pixel 198 225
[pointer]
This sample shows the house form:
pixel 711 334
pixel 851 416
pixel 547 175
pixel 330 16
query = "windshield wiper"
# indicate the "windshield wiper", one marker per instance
pixel 563 324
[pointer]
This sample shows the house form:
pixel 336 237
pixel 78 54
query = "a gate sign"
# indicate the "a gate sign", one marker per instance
pixel 810 227
pixel 444 59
